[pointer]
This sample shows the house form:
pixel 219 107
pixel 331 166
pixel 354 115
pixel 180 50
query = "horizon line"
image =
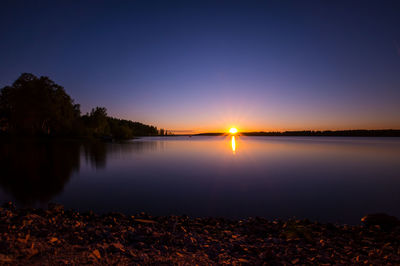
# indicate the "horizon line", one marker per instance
pixel 287 131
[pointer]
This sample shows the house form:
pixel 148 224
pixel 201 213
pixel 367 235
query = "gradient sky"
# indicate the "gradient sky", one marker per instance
pixel 209 65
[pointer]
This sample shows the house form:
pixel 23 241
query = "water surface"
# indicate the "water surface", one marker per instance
pixel 337 179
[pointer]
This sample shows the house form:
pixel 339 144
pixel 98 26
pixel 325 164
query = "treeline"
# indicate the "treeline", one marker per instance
pixel 98 124
pixel 34 106
pixel 333 133
pixel 311 133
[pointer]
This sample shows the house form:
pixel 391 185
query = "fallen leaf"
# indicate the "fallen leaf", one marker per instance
pixel 4 258
pixel 33 252
pixel 295 261
pixel 97 254
pixel 22 240
pixel 145 221
pixel 118 246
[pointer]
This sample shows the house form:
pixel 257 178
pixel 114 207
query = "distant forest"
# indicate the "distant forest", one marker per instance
pixel 338 133
pixel 34 106
pixel 327 133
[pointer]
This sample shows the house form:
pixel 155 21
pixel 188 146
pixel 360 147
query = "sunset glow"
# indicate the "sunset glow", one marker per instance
pixel 275 125
pixel 233 130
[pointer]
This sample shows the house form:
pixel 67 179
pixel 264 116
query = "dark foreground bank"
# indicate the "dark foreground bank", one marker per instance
pixel 58 236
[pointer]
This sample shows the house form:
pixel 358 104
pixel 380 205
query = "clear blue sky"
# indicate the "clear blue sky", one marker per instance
pixel 209 65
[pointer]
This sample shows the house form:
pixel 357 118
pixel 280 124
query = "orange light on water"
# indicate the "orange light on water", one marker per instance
pixel 233 144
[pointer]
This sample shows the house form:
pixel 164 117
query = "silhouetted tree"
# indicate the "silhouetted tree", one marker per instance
pixel 37 106
pixel 119 130
pixel 33 106
pixel 97 121
pixel 125 129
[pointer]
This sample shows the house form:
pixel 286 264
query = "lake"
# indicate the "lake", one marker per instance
pixel 336 179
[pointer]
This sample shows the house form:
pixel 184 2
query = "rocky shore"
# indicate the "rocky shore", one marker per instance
pixel 57 236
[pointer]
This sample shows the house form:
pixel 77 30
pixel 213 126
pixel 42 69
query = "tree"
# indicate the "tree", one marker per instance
pixel 33 105
pixel 97 121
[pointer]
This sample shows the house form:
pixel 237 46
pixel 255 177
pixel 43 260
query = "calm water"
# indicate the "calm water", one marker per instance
pixel 325 178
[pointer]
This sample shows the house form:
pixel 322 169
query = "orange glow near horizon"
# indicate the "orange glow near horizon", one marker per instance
pixel 233 130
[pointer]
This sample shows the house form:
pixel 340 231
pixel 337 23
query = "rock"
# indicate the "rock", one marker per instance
pixel 385 221
pixel 59 237
pixel 117 215
pixel 9 205
pixel 54 207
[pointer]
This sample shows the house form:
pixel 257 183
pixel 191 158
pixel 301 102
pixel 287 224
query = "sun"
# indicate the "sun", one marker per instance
pixel 233 130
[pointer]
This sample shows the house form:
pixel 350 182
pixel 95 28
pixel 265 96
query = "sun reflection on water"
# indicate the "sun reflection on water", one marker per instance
pixel 233 145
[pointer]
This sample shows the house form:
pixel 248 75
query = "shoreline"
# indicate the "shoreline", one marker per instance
pixel 59 236
pixel 314 133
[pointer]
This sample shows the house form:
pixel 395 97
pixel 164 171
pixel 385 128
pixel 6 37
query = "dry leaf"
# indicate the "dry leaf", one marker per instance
pixel 96 253
pixel 145 221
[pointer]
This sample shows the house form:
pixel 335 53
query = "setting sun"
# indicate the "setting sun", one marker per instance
pixel 233 130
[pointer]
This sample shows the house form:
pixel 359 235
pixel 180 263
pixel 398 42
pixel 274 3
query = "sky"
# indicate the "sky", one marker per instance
pixel 197 66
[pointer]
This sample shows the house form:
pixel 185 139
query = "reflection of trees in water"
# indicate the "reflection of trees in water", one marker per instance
pixel 37 170
pixel 138 146
pixel 95 153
